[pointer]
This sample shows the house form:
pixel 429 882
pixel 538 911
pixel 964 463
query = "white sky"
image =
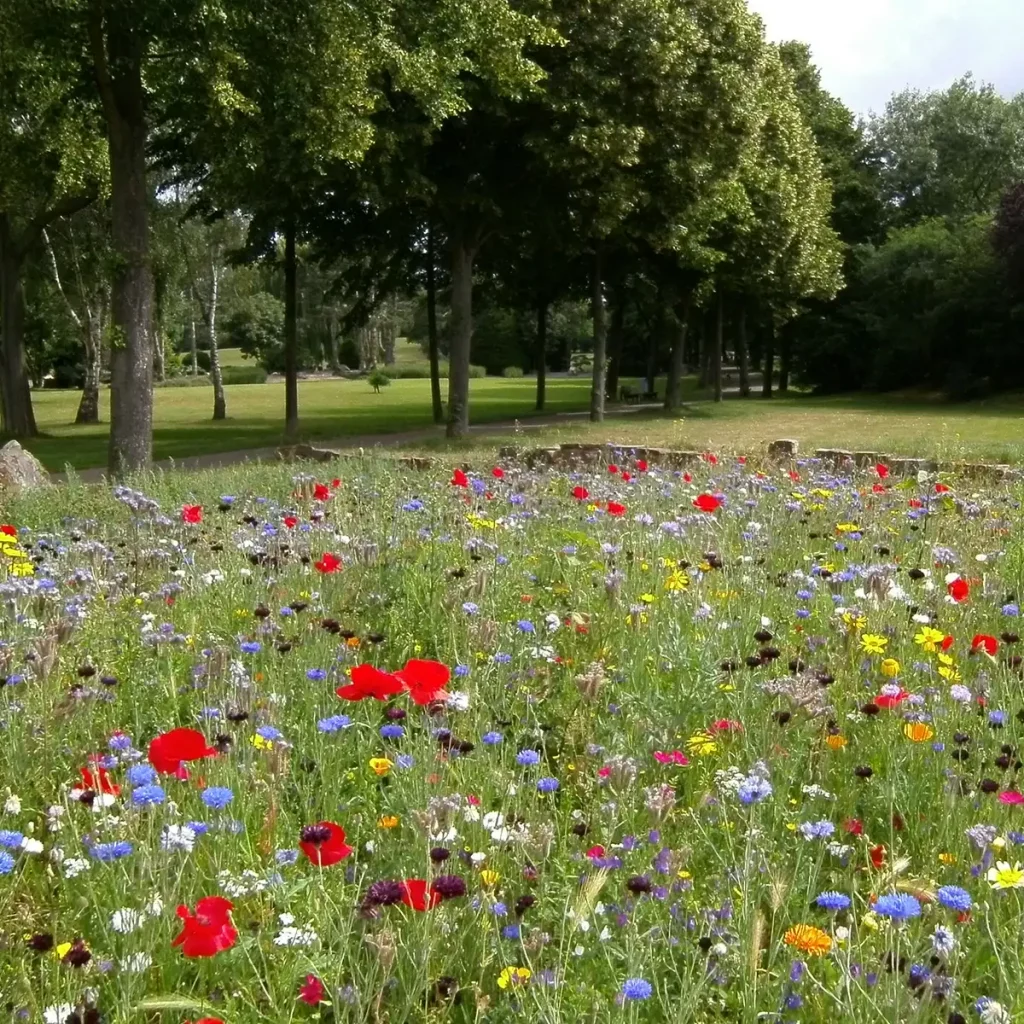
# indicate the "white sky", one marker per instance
pixel 869 49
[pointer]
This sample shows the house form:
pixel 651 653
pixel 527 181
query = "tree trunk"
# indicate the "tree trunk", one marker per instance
pixel 653 347
pixel 616 338
pixel 117 51
pixel 674 384
pixel 743 353
pixel 18 419
pixel 433 343
pixel 219 405
pixel 192 343
pixel 784 361
pixel 769 362
pixel 597 387
pixel 92 339
pixel 390 333
pixel 291 336
pixel 542 351
pixel 704 375
pixel 716 350
pixel 463 254
pixel 159 289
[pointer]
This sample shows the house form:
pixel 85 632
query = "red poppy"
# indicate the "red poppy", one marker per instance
pixel 97 778
pixel 209 931
pixel 498 473
pixel 169 751
pixel 191 513
pixel 877 855
pixel 641 465
pixel 595 852
pixel 878 488
pixel 207 1020
pixel 626 477
pixel 742 460
pixel 335 483
pixel 321 492
pixel 706 502
pixel 312 991
pixel 291 522
pixel 459 479
pixel 941 488
pixel 794 475
pixel 983 642
pixel 958 590
pixel 328 563
pixel 368 681
pixel 615 509
pixel 885 701
pixel 425 680
pixel 914 502
pixel 11 531
pixel 726 725
pixel 687 477
pixel 853 827
pixel 710 458
pixel 415 894
pixel 882 471
pixel 613 469
pixel 324 843
pixel 580 493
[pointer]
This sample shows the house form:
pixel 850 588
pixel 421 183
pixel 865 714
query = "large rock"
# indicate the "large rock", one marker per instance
pixel 20 470
pixel 784 448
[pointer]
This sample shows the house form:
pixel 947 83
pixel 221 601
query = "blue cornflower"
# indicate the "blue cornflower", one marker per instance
pixel 334 723
pixel 217 797
pixel 412 506
pixel 525 626
pixel 268 732
pixel 492 739
pixel 6 863
pixel 119 741
pixel 499 910
pixel 316 675
pixel 502 659
pixel 199 827
pixel 141 774
pixel 12 840
pixel 147 796
pixel 794 1001
pixel 997 718
pixel 250 647
pixel 1011 610
pixel 405 761
pixel 470 607
pixel 754 789
pixel 636 988
pixel 285 612
pixel 802 613
pixel 548 785
pixel 900 906
pixel 112 851
pixel 955 898
pixel 286 857
pixel 833 901
pixel 816 829
pixel 510 931
pixel 804 595
pixel 461 670
pixel 392 731
pixel 527 757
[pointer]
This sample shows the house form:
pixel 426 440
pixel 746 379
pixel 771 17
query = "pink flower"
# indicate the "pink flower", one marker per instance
pixel 675 757
pixel 1011 796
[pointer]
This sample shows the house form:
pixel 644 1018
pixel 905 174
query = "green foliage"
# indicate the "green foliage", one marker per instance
pixel 378 379
pixel 512 372
pixel 256 326
pixel 243 375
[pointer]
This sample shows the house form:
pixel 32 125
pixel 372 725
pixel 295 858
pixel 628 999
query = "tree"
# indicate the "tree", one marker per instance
pixel 1008 237
pixel 51 153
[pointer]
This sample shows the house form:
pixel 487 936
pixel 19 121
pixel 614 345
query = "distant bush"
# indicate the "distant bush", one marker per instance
pixel 244 375
pixel 378 379
pixel 512 371
pixel 202 381
pixel 420 371
pixel 202 358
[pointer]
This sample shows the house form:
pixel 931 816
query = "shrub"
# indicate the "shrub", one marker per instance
pixel 202 381
pixel 244 375
pixel 202 358
pixel 378 379
pixel 421 371
pixel 512 371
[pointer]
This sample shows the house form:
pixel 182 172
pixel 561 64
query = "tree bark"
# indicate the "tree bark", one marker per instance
pixel 291 335
pixel 674 384
pixel 433 343
pixel 597 387
pixel 769 362
pixel 219 404
pixel 616 339
pixel 653 347
pixel 117 51
pixel 18 418
pixel 92 341
pixel 743 353
pixel 716 351
pixel 192 342
pixel 463 254
pixel 542 351
pixel 390 331
pixel 784 361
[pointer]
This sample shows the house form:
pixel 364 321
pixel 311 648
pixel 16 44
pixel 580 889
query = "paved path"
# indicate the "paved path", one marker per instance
pixel 217 460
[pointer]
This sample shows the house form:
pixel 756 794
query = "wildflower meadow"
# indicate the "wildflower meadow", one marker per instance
pixel 615 744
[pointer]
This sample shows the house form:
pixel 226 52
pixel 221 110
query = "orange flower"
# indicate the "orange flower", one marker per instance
pixel 808 939
pixel 918 732
pixel 835 741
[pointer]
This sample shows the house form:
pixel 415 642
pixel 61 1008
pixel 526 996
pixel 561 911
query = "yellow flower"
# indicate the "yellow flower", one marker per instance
pixel 890 668
pixel 702 744
pixel 918 732
pixel 847 527
pixel 873 643
pixel 929 638
pixel 61 950
pixel 381 765
pixel 870 921
pixel 952 675
pixel 514 976
pixel 835 741
pixel 23 569
pixel 387 821
pixel 1002 876
pixel 820 492
pixel 808 939
pixel 947 858
pixel 678 580
pixel 648 598
pixel 854 623
pixel 489 877
pixel 260 743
